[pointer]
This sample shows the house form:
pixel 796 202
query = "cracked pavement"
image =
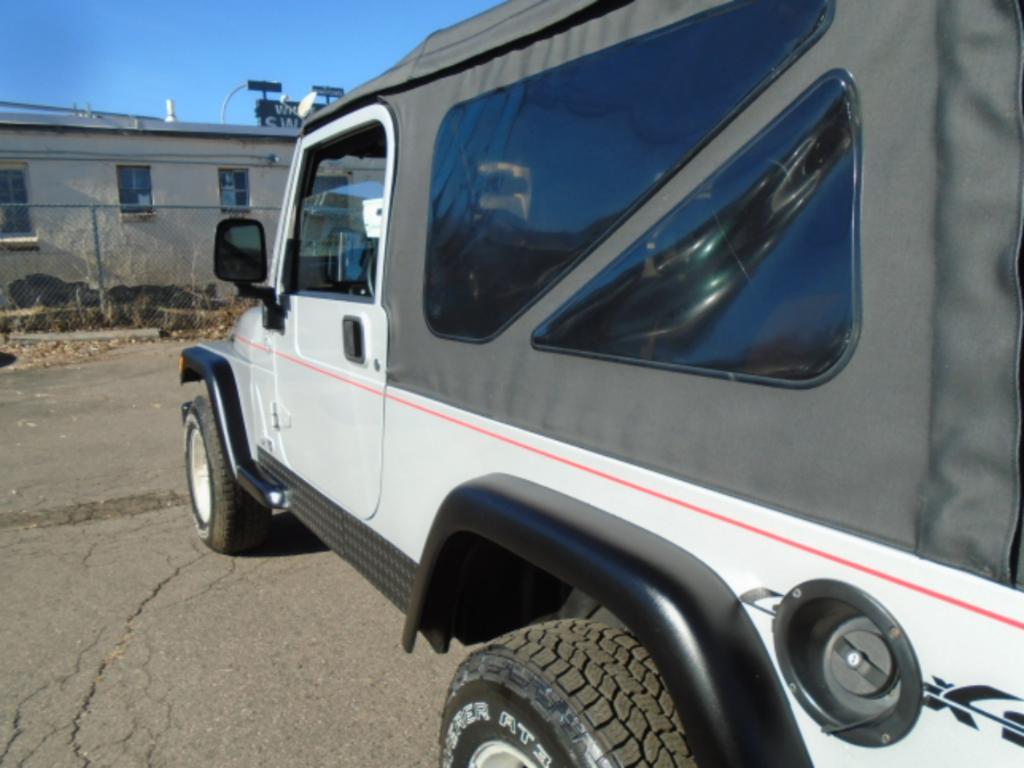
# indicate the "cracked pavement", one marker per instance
pixel 128 643
pixel 96 439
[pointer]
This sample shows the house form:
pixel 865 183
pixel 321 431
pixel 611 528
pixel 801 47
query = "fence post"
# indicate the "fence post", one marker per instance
pixel 100 282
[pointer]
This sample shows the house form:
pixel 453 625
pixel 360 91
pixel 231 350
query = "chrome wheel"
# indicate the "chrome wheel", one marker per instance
pixel 498 754
pixel 199 474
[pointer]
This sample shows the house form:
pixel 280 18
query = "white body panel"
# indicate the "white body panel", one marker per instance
pixel 965 630
pixel 748 546
pixel 320 424
pixel 330 433
pixel 260 367
pixel 392 456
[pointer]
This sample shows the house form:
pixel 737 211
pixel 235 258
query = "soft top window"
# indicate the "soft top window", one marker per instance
pixel 527 179
pixel 752 276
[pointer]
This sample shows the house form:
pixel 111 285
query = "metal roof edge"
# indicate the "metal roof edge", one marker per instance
pixel 142 126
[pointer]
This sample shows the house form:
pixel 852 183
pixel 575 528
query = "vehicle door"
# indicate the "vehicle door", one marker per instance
pixel 330 357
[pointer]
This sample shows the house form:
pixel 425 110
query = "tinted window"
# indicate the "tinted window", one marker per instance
pixel 340 213
pixel 528 178
pixel 754 274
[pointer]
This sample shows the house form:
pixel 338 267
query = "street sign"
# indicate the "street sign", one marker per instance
pixel 329 91
pixel 277 114
pixel 267 86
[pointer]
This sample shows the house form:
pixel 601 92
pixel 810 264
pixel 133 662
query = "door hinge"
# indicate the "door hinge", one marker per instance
pixel 279 417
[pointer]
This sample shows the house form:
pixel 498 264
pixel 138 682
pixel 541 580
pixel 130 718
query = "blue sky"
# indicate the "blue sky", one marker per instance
pixel 125 56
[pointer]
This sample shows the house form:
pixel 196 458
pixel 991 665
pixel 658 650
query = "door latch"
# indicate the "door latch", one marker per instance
pixel 352 338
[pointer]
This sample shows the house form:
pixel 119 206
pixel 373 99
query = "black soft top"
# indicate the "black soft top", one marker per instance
pixel 916 442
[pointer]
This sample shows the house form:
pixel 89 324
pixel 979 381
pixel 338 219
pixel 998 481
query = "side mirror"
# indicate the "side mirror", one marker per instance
pixel 240 257
pixel 240 251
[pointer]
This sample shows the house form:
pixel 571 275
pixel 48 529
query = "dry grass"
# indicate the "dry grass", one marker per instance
pixel 52 354
pixel 206 324
pixel 139 314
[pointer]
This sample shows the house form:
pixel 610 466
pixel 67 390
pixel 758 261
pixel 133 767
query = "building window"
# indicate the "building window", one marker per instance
pixel 234 187
pixel 14 213
pixel 135 188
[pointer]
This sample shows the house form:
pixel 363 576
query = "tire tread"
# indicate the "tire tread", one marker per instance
pixel 610 680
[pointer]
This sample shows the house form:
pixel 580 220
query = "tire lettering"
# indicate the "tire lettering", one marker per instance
pixel 518 731
pixel 474 712
pixel 543 758
pixel 524 735
pixel 505 720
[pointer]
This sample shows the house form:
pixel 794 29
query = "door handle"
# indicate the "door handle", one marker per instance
pixel 352 336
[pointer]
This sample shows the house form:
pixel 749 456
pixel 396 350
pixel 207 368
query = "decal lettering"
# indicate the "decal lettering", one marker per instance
pixel 762 599
pixel 963 703
pixel 1017 736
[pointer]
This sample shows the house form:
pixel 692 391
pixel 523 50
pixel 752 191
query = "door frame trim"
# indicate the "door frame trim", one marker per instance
pixel 333 131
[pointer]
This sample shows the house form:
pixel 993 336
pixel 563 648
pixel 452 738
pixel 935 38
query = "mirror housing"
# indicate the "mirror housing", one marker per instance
pixel 240 251
pixel 240 257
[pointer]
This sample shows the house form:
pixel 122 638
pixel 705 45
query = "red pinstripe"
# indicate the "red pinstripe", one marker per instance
pixel 717 516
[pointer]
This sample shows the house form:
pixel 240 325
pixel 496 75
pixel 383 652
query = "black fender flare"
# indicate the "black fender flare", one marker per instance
pixel 202 364
pixel 713 662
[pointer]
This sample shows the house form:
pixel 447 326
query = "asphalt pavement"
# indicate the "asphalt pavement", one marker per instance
pixel 103 432
pixel 127 643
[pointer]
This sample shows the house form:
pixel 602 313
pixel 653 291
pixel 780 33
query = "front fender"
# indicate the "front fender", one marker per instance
pixel 203 364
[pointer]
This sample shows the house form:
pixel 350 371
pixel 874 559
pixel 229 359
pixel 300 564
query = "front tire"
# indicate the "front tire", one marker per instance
pixel 564 693
pixel 228 520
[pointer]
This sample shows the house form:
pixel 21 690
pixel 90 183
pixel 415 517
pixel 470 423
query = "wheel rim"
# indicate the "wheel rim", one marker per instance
pixel 199 474
pixel 498 754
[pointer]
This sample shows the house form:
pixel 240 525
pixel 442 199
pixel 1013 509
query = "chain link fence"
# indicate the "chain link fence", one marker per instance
pixel 66 267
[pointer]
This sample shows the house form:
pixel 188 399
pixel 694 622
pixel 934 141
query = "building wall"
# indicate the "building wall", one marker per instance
pixel 105 247
pixel 79 168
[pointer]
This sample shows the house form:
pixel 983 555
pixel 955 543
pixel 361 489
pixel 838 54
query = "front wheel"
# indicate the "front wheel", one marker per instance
pixel 227 519
pixel 564 693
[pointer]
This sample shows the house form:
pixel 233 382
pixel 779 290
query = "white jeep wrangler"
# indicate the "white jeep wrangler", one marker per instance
pixel 671 350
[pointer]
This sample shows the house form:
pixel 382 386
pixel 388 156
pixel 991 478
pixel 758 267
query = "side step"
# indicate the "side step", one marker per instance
pixel 268 493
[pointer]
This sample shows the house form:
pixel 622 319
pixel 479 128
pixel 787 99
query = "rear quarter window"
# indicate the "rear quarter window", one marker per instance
pixel 754 275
